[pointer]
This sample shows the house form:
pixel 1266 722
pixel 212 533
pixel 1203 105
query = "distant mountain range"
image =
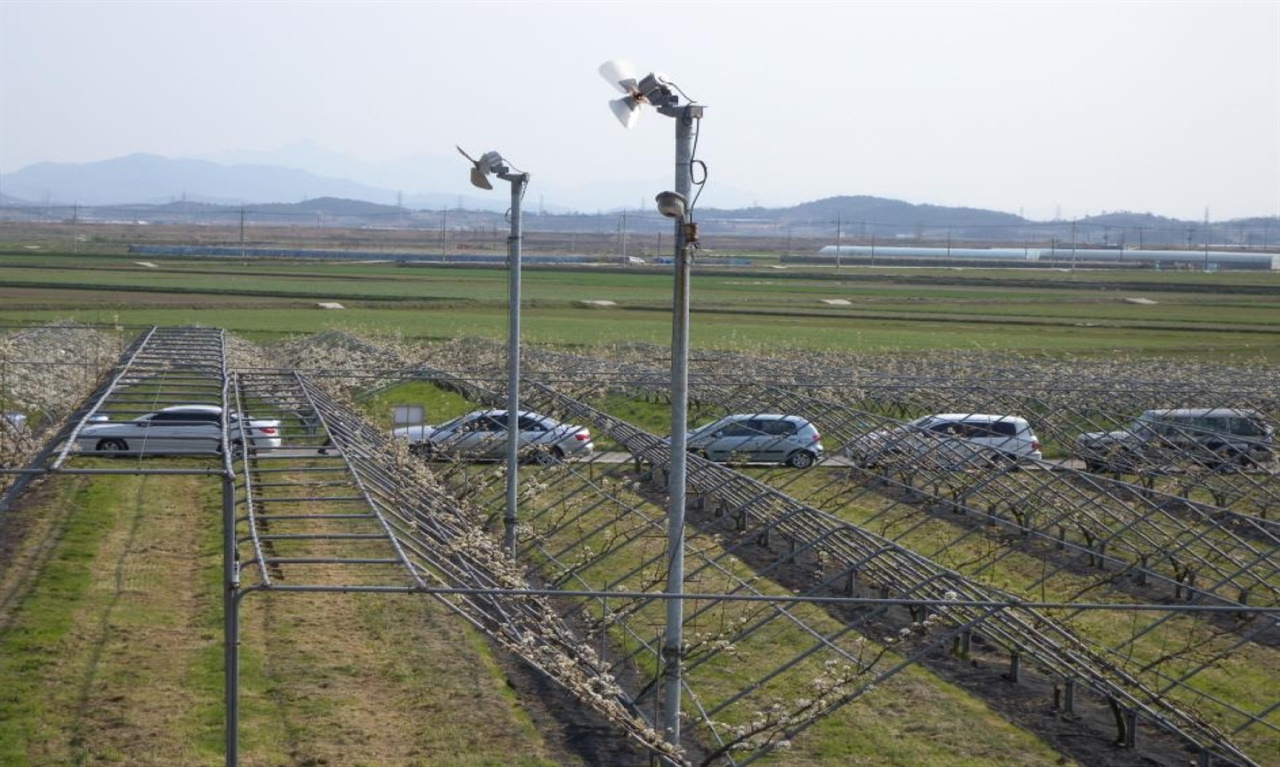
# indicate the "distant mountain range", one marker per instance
pixel 153 188
pixel 150 179
pixel 300 172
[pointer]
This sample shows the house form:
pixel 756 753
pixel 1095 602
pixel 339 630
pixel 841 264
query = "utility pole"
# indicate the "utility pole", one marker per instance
pixel 444 224
pixel 622 235
pixel 1073 250
pixel 1206 238
pixel 837 242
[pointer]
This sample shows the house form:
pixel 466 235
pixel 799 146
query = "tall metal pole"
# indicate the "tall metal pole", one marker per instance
pixel 518 182
pixel 672 650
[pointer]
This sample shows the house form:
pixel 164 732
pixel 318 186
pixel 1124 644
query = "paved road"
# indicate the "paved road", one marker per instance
pixel 830 461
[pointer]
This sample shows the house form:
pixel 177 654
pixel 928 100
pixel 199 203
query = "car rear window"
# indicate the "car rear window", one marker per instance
pixel 994 429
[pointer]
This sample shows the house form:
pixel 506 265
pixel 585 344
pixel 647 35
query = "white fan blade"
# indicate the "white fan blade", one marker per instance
pixel 626 109
pixel 621 74
pixel 464 154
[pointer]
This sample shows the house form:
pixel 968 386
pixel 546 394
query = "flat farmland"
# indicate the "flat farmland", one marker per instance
pixel 110 617
pixel 1221 315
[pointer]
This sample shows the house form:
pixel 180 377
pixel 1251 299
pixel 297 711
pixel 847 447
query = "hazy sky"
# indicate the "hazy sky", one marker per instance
pixel 1041 108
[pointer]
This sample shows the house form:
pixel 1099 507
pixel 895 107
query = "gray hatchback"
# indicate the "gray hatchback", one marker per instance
pixel 1214 437
pixel 758 438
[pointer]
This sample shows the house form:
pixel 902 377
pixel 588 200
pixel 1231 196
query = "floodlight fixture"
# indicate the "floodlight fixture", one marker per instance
pixel 672 205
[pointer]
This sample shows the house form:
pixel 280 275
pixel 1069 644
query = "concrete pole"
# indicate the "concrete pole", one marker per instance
pixel 672 649
pixel 518 182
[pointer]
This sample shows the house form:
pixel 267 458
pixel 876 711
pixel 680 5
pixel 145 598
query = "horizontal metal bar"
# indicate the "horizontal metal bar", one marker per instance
pixel 862 601
pixel 328 561
pixel 299 517
pixel 309 498
pixel 323 537
pixel 186 472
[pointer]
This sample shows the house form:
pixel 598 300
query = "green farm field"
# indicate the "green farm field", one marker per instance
pixel 1189 315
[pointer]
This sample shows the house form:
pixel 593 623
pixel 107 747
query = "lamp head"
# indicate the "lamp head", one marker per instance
pixel 672 205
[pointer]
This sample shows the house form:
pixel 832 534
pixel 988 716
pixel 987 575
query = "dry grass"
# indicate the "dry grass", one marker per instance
pixel 112 651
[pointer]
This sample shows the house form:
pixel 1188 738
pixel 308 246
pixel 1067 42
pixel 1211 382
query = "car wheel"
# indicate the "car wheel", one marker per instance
pixel 112 445
pixel 800 459
pixel 1004 462
pixel 1229 459
pixel 424 450
pixel 547 456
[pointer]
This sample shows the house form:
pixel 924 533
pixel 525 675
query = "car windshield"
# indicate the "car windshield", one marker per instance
pixel 452 423
pixel 919 423
pixel 710 428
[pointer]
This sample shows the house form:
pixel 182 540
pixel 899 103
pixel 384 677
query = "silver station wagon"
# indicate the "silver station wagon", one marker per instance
pixel 178 430
pixel 950 440
pixel 482 435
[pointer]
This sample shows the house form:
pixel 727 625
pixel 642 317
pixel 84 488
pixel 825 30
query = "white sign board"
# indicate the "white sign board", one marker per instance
pixel 407 415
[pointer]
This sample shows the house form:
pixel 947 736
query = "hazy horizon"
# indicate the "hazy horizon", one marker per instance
pixel 1042 109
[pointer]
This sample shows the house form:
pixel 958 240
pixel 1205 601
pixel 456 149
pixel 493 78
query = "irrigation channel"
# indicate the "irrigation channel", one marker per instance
pixel 838 578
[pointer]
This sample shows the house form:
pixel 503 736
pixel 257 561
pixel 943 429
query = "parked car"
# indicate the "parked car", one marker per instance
pixel 1216 437
pixel 482 434
pixel 951 440
pixel 178 430
pixel 758 438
